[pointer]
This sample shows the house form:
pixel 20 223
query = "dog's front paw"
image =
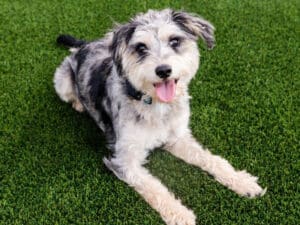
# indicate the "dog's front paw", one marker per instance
pixel 246 185
pixel 179 215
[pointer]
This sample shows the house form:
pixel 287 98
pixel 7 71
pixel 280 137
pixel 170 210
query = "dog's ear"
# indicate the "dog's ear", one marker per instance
pixel 196 26
pixel 121 37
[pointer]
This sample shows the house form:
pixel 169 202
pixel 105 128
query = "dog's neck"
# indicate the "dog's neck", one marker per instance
pixel 136 94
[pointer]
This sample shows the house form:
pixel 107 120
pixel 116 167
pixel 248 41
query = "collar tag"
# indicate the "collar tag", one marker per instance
pixel 147 100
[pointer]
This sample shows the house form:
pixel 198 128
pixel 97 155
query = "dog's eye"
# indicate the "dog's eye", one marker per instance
pixel 141 48
pixel 174 42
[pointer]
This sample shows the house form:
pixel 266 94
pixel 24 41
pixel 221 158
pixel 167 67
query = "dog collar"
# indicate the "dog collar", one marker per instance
pixel 137 95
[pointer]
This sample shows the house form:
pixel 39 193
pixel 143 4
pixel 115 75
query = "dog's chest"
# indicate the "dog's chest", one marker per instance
pixel 150 127
pixel 145 135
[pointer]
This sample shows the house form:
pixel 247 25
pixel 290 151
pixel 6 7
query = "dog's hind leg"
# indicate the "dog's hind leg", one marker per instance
pixel 64 84
pixel 127 168
pixel 193 153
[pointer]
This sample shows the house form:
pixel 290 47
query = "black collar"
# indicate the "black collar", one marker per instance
pixel 132 92
pixel 135 94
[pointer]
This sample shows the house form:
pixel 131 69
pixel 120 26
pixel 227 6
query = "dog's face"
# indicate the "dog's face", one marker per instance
pixel 157 51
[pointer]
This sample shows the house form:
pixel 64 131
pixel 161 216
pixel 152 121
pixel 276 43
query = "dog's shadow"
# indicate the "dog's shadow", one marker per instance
pixel 55 134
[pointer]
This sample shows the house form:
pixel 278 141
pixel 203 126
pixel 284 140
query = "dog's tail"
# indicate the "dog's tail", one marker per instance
pixel 69 41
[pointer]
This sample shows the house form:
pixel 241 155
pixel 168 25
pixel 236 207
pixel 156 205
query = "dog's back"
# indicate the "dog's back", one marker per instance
pixel 81 78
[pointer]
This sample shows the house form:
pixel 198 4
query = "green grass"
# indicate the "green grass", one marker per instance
pixel 245 107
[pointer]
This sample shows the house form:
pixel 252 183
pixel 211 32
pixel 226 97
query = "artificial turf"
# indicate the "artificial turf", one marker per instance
pixel 245 107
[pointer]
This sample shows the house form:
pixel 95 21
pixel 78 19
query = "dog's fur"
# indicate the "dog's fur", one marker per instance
pixel 114 80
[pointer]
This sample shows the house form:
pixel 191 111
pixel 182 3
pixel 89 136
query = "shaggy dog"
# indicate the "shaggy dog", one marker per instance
pixel 134 84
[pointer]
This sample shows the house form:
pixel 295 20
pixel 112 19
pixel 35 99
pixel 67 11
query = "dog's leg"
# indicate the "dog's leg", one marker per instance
pixel 151 189
pixel 193 153
pixel 64 85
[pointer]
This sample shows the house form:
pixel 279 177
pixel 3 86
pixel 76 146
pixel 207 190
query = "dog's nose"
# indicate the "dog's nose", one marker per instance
pixel 163 71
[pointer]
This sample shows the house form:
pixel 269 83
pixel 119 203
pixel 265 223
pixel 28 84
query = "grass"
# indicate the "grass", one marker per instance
pixel 245 107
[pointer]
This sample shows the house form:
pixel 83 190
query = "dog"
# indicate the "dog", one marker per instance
pixel 134 83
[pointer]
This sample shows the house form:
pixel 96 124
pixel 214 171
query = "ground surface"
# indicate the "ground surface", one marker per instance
pixel 245 107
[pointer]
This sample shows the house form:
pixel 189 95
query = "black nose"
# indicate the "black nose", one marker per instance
pixel 163 71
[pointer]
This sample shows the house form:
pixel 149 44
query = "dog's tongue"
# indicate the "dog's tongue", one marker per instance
pixel 165 91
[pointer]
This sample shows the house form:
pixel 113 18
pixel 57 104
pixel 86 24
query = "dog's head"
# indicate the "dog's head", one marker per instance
pixel 157 51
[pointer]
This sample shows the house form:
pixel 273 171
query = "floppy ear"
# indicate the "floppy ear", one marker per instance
pixel 121 37
pixel 196 26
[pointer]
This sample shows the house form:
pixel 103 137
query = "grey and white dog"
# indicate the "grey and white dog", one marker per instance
pixel 134 84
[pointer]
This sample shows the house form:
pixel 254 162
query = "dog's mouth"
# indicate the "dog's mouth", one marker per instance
pixel 166 90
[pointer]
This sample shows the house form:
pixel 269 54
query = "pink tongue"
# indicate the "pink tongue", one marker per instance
pixel 165 91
